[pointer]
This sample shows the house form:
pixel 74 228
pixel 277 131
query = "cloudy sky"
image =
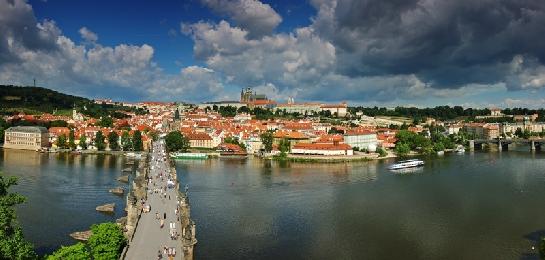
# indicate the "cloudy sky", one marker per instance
pixel 369 52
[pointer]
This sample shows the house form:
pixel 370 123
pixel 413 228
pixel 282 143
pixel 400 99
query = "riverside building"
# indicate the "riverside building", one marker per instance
pixel 26 137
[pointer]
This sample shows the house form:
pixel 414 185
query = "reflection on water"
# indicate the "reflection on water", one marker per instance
pixel 62 191
pixel 413 170
pixel 472 206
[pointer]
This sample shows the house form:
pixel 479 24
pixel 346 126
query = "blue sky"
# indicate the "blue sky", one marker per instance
pixel 145 22
pixel 368 52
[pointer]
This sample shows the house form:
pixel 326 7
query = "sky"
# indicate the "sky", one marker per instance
pixel 474 53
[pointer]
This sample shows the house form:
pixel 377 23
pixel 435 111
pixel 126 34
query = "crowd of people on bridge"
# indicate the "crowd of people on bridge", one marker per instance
pixel 159 184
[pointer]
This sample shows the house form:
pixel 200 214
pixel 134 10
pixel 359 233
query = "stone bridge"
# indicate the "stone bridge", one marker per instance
pixel 503 144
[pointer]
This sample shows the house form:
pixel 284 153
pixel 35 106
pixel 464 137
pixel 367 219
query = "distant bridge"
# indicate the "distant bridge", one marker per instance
pixel 503 144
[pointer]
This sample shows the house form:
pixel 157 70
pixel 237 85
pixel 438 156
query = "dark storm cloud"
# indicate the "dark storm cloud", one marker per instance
pixel 19 28
pixel 446 43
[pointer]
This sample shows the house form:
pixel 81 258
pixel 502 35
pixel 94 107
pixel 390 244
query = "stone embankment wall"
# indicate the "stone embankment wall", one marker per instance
pixel 137 193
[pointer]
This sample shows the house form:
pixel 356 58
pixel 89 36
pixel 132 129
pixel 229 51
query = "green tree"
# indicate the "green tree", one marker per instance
pixel 73 252
pixel 526 134
pixel 113 141
pixel 3 126
pixel 61 141
pixel 518 132
pixel 413 140
pixel 126 142
pixel 438 147
pixel 83 142
pixel 402 149
pixel 12 243
pixel 107 241
pixel 99 141
pixel 106 122
pixel 227 111
pixel 381 152
pixel 284 147
pixel 267 140
pixel 2 130
pixel 176 141
pixel 71 139
pixel 243 109
pixel 542 248
pixel 58 123
pixel 137 144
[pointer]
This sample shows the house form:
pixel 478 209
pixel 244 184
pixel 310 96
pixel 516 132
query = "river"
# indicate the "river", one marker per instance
pixel 62 191
pixel 473 206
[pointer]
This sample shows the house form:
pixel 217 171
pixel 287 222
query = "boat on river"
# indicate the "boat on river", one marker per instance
pixel 177 155
pixel 406 164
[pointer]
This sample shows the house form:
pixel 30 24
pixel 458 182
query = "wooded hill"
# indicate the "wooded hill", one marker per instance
pixel 37 98
pixel 14 99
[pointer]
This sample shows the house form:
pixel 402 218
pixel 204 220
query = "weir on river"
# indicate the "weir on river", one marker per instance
pixel 166 230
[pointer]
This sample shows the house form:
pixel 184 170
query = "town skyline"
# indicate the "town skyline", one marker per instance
pixel 208 50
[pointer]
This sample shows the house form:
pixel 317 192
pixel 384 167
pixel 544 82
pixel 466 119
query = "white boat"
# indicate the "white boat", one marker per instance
pixel 406 164
pixel 176 155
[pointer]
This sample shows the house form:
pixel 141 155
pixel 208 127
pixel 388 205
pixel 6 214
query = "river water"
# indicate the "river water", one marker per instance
pixel 62 191
pixel 472 206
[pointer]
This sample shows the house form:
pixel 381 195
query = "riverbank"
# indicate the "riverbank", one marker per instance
pixel 357 157
pixel 125 153
pixel 326 159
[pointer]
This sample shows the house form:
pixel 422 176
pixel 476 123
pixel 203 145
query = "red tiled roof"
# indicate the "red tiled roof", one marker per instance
pixel 59 130
pixel 289 135
pixel 329 139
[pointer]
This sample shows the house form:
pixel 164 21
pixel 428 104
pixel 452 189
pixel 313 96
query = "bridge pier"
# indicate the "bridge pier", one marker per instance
pixel 532 146
pixel 500 147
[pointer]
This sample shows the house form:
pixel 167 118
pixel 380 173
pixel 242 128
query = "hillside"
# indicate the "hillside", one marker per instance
pixel 36 98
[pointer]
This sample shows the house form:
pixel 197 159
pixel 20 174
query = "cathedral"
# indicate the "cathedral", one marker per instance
pixel 247 96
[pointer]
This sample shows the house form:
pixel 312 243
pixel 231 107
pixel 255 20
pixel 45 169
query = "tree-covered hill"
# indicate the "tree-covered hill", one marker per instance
pixel 14 99
pixel 37 98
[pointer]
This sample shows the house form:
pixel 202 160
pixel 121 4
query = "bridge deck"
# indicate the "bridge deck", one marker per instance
pixel 149 236
pixel 509 141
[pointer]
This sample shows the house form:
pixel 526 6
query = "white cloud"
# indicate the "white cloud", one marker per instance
pixel 257 18
pixel 330 60
pixel 284 60
pixel 88 35
pixel 528 102
pixel 40 50
pixel 526 73
pixel 194 83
